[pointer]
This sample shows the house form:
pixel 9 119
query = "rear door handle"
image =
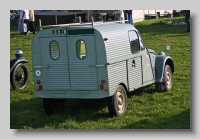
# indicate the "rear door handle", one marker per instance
pixel 133 64
pixel 47 66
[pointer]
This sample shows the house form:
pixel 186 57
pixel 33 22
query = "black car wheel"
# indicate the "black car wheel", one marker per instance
pixel 19 76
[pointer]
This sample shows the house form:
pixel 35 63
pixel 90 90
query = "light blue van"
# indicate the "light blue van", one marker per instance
pixel 95 60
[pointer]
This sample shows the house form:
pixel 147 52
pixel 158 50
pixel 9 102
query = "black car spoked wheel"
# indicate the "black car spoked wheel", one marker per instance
pixel 117 103
pixel 19 76
pixel 53 105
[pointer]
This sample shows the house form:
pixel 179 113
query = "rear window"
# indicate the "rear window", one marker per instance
pixel 54 50
pixel 81 49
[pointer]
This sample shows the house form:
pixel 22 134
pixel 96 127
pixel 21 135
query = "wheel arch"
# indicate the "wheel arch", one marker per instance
pixel 125 87
pixel 170 62
pixel 117 103
pixel 161 61
pixel 16 61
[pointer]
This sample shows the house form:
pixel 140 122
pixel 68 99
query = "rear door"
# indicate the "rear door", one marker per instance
pixel 55 63
pixel 82 54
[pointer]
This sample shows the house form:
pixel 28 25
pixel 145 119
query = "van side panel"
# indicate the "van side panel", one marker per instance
pixel 117 73
pixel 134 73
pixel 117 44
pixel 117 48
pixel 101 60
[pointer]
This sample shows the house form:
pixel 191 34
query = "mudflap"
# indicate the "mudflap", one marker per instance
pixel 160 86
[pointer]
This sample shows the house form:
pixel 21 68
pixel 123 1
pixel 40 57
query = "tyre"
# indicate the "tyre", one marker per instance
pixel 117 103
pixel 19 76
pixel 167 77
pixel 53 105
pixel 167 84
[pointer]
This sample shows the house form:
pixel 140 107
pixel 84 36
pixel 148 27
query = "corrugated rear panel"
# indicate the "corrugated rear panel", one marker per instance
pixel 56 77
pixel 116 74
pixel 82 76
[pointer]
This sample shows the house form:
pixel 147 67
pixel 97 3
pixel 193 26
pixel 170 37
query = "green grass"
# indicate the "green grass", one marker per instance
pixel 147 109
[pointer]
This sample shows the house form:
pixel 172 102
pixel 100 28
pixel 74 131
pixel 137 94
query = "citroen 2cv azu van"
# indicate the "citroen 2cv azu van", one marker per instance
pixel 93 61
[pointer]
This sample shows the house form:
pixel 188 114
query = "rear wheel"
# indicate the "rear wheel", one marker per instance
pixel 117 103
pixel 19 76
pixel 53 105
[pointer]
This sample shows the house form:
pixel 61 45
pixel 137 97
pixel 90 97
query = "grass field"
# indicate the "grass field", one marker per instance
pixel 147 109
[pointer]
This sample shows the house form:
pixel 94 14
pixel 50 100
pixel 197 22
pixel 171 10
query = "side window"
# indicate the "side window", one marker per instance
pixel 142 45
pixel 134 42
pixel 54 50
pixel 81 49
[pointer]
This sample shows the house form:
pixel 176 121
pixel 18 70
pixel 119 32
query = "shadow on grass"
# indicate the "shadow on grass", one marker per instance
pixel 28 114
pixel 149 89
pixel 179 121
pixel 31 112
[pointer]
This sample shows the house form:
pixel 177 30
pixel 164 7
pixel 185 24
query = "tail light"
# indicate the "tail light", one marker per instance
pixel 105 39
pixel 40 86
pixel 101 86
pixel 103 81
pixel 38 81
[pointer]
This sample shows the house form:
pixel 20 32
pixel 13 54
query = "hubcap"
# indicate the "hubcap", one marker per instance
pixel 20 77
pixel 168 78
pixel 120 102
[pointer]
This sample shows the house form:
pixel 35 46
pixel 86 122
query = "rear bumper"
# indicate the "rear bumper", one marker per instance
pixel 72 94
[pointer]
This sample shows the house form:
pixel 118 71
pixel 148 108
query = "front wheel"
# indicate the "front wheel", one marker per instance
pixel 168 77
pixel 53 105
pixel 19 76
pixel 117 103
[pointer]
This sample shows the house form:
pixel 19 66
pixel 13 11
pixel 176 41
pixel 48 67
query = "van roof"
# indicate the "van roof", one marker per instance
pixel 109 29
pixel 108 26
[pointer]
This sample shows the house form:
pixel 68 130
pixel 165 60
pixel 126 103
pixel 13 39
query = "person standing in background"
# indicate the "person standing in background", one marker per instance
pixel 24 18
pixel 125 16
pixel 130 18
pixel 187 20
pixel 32 20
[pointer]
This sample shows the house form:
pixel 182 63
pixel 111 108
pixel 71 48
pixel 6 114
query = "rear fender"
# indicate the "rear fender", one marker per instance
pixel 15 61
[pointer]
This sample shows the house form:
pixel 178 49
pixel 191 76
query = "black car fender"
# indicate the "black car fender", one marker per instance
pixel 160 62
pixel 15 61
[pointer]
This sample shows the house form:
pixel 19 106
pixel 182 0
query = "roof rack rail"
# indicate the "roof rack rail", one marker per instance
pixel 79 24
